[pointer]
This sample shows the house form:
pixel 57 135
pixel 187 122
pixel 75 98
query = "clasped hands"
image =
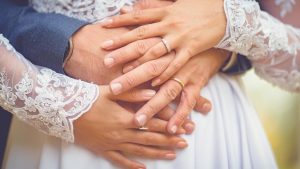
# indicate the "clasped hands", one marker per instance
pixel 110 128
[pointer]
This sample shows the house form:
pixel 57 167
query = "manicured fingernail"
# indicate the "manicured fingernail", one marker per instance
pixel 181 144
pixel 107 44
pixel 170 156
pixel 109 62
pixel 149 93
pixel 127 9
pixel 189 127
pixel 116 88
pixel 206 107
pixel 141 119
pixel 155 82
pixel 127 69
pixel 106 22
pixel 173 129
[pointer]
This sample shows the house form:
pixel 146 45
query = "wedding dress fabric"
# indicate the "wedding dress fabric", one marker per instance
pixel 272 47
pixel 48 101
pixel 230 136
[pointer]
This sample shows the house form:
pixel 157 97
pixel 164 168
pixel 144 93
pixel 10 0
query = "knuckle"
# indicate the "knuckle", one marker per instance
pixel 136 15
pixel 141 32
pixel 180 118
pixel 129 80
pixel 141 47
pixel 176 66
pixel 144 4
pixel 153 69
pixel 140 150
pixel 171 92
pixel 151 109
pixel 155 52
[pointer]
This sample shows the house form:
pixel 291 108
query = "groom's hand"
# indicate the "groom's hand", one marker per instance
pixel 86 60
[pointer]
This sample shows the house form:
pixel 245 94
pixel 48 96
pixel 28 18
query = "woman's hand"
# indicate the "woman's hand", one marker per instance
pixel 195 74
pixel 187 26
pixel 107 129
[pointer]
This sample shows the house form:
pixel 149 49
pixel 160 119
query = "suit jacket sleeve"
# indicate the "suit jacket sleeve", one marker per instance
pixel 41 38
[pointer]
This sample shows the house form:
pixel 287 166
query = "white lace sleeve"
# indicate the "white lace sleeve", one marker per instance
pixel 273 47
pixel 42 98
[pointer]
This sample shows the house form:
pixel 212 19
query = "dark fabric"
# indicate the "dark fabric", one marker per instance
pixel 5 119
pixel 242 65
pixel 41 38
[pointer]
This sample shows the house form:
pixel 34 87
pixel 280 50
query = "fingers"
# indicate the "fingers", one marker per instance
pixel 147 152
pixel 155 52
pixel 167 93
pixel 167 113
pixel 140 75
pixel 136 17
pixel 159 125
pixel 135 95
pixel 154 139
pixel 186 105
pixel 139 33
pixel 180 60
pixel 203 105
pixel 120 160
pixel 127 53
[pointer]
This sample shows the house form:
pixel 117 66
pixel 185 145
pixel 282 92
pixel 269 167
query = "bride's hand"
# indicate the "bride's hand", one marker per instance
pixel 195 74
pixel 107 129
pixel 188 27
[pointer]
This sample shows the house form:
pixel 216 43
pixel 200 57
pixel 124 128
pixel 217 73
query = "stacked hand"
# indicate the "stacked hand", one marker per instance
pixel 146 56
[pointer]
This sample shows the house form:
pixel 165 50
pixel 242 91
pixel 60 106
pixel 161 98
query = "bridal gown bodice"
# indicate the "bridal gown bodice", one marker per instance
pixel 230 136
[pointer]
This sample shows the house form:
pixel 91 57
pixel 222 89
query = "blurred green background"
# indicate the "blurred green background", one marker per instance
pixel 279 112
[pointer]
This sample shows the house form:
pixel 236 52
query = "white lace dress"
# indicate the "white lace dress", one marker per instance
pixel 230 136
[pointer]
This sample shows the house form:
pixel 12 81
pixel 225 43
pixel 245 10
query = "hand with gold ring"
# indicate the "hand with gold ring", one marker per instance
pixel 183 28
pixel 189 81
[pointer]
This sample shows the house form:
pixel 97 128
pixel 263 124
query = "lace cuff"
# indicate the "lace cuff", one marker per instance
pixel 42 98
pixel 272 46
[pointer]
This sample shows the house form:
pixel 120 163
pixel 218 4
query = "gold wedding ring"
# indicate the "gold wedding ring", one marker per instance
pixel 179 81
pixel 143 128
pixel 166 44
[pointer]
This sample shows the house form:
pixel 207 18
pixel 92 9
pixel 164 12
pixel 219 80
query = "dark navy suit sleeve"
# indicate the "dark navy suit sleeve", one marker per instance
pixel 41 38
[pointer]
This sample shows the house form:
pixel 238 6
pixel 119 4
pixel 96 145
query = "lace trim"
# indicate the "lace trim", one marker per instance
pixel 44 99
pixel 261 37
pixel 87 10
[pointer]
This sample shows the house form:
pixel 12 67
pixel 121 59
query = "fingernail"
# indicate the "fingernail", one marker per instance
pixel 107 44
pixel 149 93
pixel 189 127
pixel 206 107
pixel 116 88
pixel 127 69
pixel 181 144
pixel 141 119
pixel 127 9
pixel 170 156
pixel 106 22
pixel 155 82
pixel 173 129
pixel 109 61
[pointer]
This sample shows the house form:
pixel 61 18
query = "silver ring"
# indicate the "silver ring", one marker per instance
pixel 143 128
pixel 166 44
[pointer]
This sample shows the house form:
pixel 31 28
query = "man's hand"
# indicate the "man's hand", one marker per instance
pixel 86 61
pixel 107 129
